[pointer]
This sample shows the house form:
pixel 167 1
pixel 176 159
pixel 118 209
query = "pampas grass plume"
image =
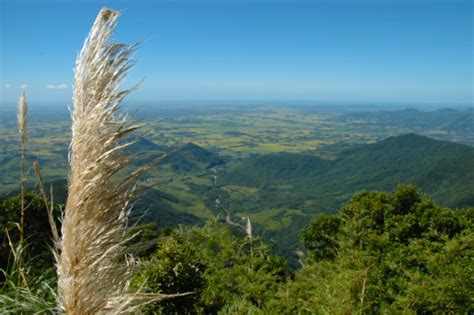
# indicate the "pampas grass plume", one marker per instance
pixel 93 273
pixel 22 112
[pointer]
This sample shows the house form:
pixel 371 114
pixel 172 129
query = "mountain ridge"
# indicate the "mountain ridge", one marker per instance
pixel 400 159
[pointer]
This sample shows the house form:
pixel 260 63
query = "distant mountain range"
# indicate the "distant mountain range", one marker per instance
pixel 449 120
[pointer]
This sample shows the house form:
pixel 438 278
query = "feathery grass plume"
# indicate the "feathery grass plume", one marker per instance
pixel 93 272
pixel 248 230
pixel 22 128
pixel 22 112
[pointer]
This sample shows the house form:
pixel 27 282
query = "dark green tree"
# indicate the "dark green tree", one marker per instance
pixel 218 266
pixel 173 268
pixel 386 252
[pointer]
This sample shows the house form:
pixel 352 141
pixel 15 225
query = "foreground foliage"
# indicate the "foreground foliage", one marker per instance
pixel 387 252
pixel 381 253
pixel 218 267
pixel 39 296
pixel 37 231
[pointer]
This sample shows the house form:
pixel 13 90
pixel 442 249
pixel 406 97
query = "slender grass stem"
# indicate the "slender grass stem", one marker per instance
pixel 22 126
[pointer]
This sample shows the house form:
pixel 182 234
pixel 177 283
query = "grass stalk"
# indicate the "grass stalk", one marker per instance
pixel 49 209
pixel 248 230
pixel 22 128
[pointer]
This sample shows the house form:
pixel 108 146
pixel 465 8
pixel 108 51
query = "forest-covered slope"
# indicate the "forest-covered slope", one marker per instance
pixel 282 192
pixel 441 168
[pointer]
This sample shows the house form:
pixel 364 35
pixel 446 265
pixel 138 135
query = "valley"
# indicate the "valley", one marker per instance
pixel 278 166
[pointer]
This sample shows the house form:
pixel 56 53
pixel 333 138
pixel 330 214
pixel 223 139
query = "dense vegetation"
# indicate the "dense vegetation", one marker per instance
pixel 392 252
pixel 380 253
pixel 37 229
pixel 38 296
pixel 217 266
pixel 282 191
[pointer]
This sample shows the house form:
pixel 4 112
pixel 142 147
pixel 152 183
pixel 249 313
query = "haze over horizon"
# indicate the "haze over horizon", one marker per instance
pixel 366 52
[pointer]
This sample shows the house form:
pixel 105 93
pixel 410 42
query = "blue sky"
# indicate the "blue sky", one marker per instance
pixel 351 51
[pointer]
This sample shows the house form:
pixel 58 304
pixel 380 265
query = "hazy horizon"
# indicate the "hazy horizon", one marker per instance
pixel 143 109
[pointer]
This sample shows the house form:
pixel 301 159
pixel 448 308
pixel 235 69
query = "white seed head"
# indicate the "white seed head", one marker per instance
pixel 22 113
pixel 248 228
pixel 92 269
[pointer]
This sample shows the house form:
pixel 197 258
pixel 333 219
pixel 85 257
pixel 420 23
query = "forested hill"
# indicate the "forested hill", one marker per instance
pixel 443 169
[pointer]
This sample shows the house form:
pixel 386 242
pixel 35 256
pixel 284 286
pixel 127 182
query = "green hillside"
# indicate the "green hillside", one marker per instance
pixel 192 157
pixel 441 168
pixel 282 192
